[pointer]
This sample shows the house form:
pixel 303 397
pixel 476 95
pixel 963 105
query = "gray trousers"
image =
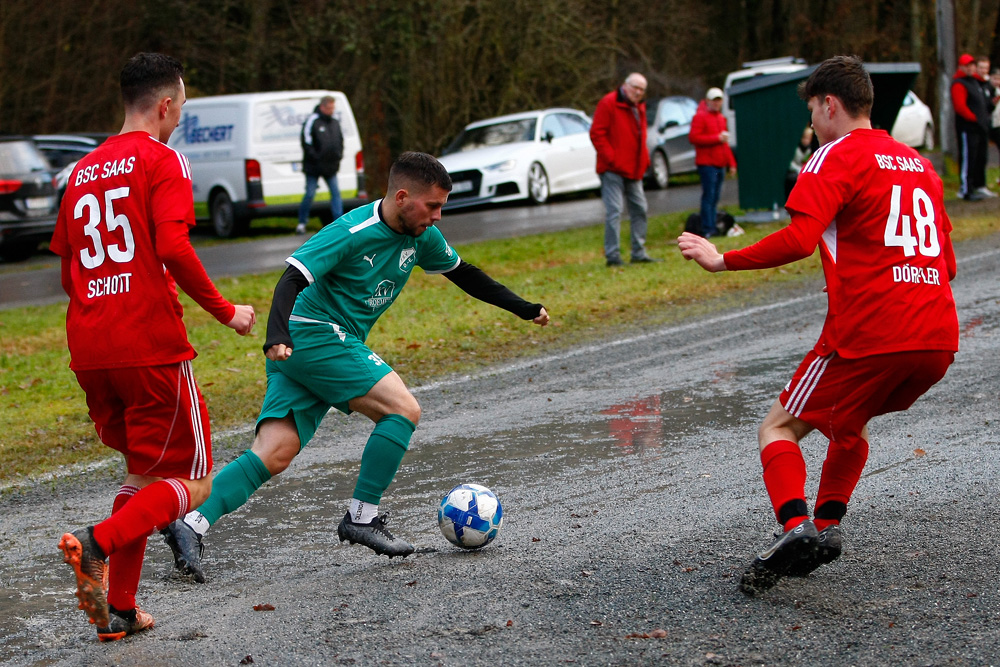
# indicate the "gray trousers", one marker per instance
pixel 614 190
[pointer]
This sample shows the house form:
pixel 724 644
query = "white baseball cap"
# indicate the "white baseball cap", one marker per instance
pixel 713 94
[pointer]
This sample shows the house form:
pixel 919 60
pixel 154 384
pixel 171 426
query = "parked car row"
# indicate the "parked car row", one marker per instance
pixel 246 159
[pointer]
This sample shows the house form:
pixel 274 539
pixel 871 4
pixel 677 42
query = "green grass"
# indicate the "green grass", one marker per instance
pixel 434 329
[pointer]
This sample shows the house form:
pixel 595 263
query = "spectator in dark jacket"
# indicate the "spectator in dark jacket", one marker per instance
pixel 995 118
pixel 712 155
pixel 972 124
pixel 322 150
pixel 619 135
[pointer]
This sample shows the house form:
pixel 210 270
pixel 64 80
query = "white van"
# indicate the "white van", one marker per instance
pixel 749 70
pixel 246 159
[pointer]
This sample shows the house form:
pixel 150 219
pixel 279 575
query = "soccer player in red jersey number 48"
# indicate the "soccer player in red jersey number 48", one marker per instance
pixel 875 209
pixel 122 234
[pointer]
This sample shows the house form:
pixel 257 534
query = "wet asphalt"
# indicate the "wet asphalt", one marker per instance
pixel 630 480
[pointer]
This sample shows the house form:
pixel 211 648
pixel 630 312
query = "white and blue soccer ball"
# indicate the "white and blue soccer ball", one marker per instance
pixel 470 516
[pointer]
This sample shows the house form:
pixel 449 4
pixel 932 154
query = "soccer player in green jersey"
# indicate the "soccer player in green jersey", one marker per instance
pixel 333 290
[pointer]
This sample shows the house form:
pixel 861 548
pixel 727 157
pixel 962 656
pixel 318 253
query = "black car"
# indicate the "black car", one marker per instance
pixel 28 198
pixel 63 151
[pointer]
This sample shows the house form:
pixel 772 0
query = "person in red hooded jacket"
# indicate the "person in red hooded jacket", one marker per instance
pixel 972 125
pixel 619 135
pixel 712 155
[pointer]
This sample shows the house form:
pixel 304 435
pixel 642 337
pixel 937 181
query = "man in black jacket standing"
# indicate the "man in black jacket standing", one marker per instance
pixel 972 124
pixel 322 150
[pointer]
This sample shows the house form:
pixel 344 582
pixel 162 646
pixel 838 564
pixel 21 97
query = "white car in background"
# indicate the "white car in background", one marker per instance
pixel 531 155
pixel 914 124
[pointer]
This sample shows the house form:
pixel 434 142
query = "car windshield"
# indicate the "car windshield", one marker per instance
pixel 497 134
pixel 20 157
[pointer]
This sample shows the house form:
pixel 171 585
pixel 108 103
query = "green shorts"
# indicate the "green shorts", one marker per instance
pixel 327 369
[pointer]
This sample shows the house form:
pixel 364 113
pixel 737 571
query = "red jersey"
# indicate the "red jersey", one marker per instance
pixel 124 203
pixel 876 209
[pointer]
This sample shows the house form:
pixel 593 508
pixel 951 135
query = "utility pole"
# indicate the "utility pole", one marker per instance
pixel 947 62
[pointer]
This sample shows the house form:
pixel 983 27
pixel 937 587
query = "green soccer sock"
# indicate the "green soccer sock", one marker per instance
pixel 384 452
pixel 234 485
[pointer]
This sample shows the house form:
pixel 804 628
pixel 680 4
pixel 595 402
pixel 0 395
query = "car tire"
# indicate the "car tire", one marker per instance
pixel 224 217
pixel 928 138
pixel 538 184
pixel 660 168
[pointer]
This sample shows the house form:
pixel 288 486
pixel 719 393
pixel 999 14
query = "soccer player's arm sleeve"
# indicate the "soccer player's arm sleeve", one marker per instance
pixel 285 292
pixel 949 259
pixel 173 248
pixel 473 281
pixel 794 242
pixel 64 276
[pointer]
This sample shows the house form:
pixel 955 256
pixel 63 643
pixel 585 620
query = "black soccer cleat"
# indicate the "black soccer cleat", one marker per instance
pixel 373 535
pixel 187 547
pixel 829 543
pixel 780 558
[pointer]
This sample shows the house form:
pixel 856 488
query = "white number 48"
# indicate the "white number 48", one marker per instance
pixel 899 230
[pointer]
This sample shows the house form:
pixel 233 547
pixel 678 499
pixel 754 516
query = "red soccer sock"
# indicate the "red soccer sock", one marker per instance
pixel 152 508
pixel 785 479
pixel 125 565
pixel 845 460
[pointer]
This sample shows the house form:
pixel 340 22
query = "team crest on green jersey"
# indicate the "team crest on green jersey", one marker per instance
pixel 383 293
pixel 406 259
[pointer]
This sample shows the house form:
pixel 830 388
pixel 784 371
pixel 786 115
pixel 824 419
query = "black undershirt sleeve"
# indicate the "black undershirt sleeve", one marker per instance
pixel 285 292
pixel 474 282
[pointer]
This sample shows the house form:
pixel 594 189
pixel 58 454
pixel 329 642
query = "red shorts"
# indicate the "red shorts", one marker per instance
pixel 154 415
pixel 838 396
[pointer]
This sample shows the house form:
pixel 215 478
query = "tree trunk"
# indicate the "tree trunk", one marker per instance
pixel 946 63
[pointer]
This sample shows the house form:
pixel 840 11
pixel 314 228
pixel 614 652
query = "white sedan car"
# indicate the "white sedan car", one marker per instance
pixel 914 124
pixel 530 155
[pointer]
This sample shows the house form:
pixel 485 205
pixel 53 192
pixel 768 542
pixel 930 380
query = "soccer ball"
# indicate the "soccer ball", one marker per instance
pixel 470 516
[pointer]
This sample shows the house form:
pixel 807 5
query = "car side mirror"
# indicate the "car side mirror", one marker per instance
pixel 549 137
pixel 668 124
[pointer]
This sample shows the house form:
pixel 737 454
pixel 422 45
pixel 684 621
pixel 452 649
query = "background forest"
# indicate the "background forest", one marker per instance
pixel 416 71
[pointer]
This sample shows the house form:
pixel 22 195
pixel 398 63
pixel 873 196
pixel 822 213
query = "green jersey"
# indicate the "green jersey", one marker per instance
pixel 356 267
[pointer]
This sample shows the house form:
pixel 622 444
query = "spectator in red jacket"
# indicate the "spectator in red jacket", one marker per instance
pixel 619 135
pixel 712 155
pixel 972 124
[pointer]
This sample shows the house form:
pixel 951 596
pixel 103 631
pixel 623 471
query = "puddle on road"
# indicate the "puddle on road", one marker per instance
pixel 290 524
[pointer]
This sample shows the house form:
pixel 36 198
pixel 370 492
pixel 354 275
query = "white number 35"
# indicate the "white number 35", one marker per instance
pixel 89 204
pixel 899 228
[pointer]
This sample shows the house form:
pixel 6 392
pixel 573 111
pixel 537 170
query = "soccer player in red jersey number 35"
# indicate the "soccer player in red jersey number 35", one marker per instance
pixel 122 235
pixel 875 209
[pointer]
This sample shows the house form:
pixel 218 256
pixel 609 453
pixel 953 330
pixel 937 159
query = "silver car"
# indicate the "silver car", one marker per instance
pixel 670 149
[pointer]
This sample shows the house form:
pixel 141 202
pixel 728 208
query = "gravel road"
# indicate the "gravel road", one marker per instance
pixel 630 479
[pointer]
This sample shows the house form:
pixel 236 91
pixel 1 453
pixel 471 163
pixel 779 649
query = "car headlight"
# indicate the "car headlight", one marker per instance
pixel 506 165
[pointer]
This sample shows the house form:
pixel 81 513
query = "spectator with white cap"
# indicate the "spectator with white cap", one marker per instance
pixel 710 137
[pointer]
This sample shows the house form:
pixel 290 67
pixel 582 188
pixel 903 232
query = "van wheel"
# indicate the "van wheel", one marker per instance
pixel 223 217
